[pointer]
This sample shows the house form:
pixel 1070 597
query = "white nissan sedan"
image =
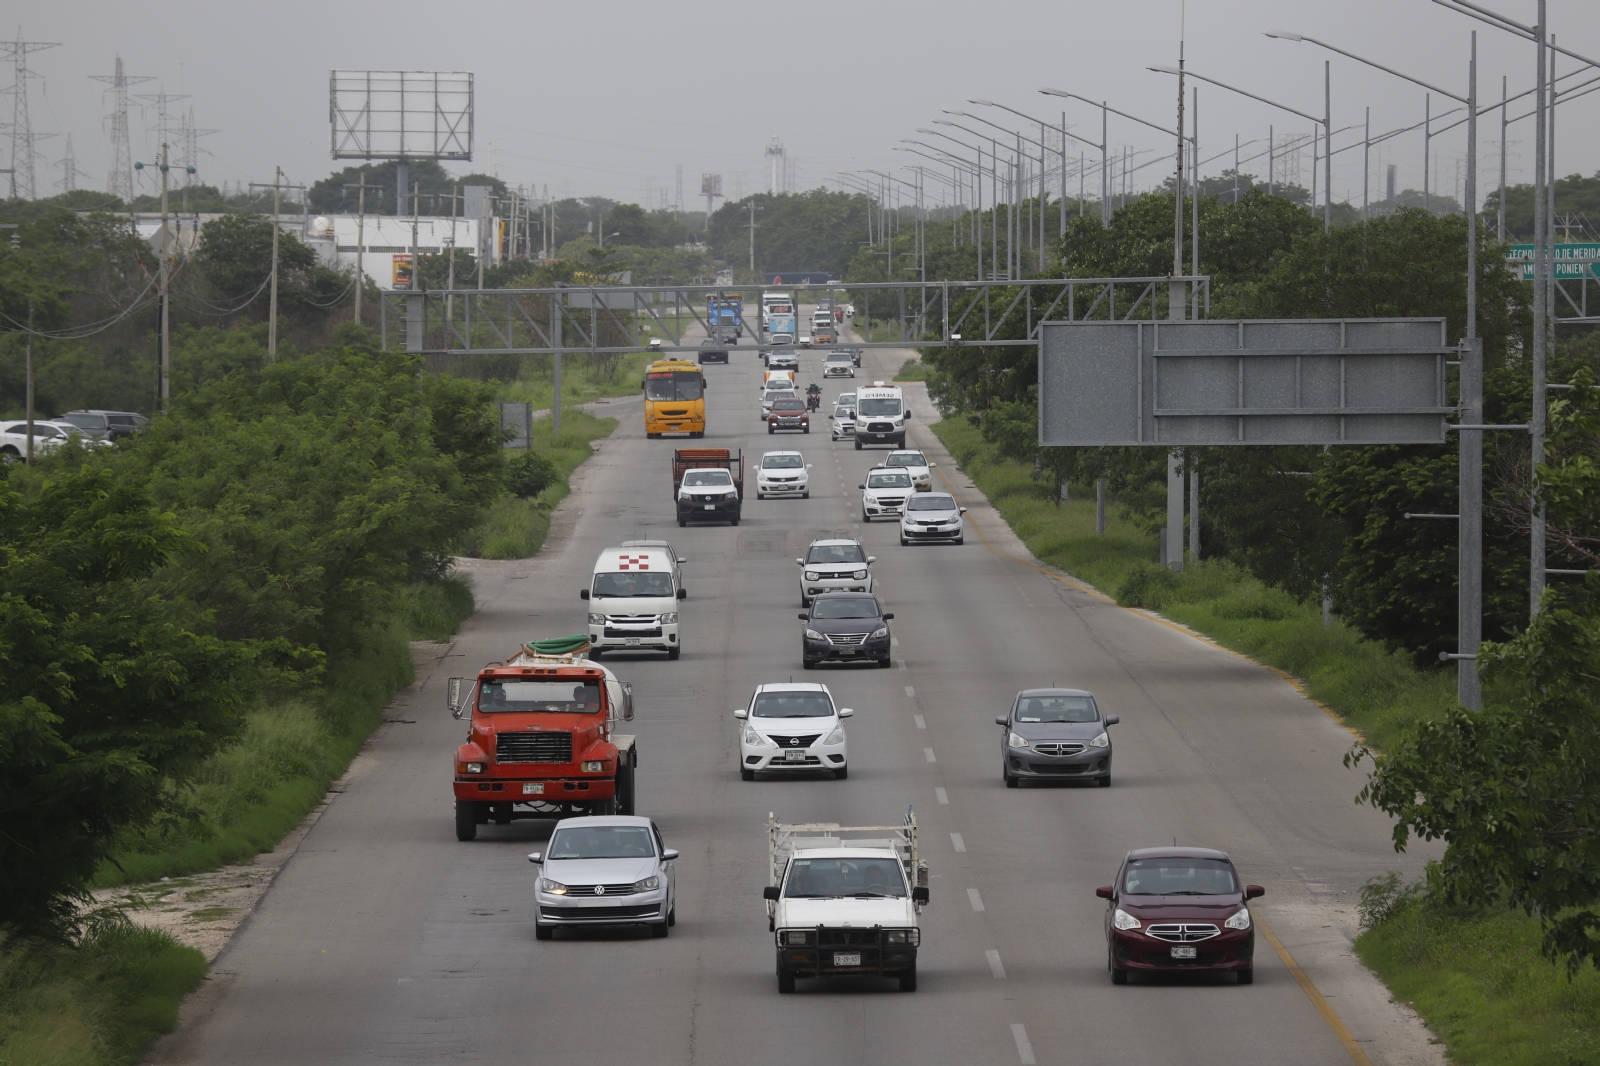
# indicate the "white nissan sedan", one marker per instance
pixel 792 727
pixel 783 474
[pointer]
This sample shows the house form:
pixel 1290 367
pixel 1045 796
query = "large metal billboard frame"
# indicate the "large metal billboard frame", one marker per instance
pixel 401 114
pixel 1261 381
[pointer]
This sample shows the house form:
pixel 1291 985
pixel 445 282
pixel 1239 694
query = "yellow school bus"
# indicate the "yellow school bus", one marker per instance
pixel 674 398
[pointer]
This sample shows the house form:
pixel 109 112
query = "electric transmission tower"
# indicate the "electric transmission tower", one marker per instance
pixel 190 139
pixel 164 123
pixel 119 182
pixel 22 135
pixel 774 163
pixel 69 169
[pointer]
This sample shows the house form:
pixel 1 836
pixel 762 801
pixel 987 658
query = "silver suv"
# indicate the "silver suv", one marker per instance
pixel 839 565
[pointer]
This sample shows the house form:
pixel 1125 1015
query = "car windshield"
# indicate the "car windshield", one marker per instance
pixel 843 412
pixel 836 553
pixel 855 607
pixel 1057 709
pixel 632 583
pixel 826 878
pixel 882 408
pixel 888 481
pixel 1179 876
pixel 905 459
pixel 838 357
pixel 672 385
pixel 526 697
pixel 601 842
pixel 931 503
pixel 788 405
pixel 782 462
pixel 695 478
pixel 792 705
pixel 787 392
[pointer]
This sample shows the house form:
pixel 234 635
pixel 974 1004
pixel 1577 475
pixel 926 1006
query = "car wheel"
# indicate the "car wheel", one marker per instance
pixel 785 981
pixel 806 495
pixel 903 541
pixel 885 662
pixel 595 653
pixel 746 774
pixel 908 979
pixel 1247 977
pixel 865 517
pixel 544 932
pixel 770 431
pixel 807 664
pixel 858 444
pixel 1011 782
pixel 673 653
pixel 672 915
pixel 1104 782
pixel 682 523
pixel 959 541
pixel 466 820
pixel 806 430
pixel 735 520
pixel 1119 977
pixel 660 930
pixel 841 773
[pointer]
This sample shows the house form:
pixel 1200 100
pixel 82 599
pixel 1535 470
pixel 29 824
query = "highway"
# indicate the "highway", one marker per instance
pixel 384 940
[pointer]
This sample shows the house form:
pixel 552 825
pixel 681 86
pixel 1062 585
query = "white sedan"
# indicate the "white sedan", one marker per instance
pixel 932 516
pixel 783 474
pixel 792 727
pixel 47 437
pixel 884 493
pixel 914 463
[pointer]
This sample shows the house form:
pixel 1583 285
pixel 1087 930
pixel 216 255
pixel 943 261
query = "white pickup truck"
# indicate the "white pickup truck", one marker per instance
pixel 840 906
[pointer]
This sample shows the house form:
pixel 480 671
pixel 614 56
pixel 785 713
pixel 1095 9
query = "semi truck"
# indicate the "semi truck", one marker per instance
pixel 542 739
pixel 844 900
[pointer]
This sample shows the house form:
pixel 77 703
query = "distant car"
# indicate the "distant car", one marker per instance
pixel 1179 909
pixel 844 422
pixel 47 437
pixel 713 351
pixel 605 870
pixel 1056 734
pixel 783 474
pixel 932 516
pixel 794 726
pixel 783 359
pixel 854 353
pixel 789 414
pixel 914 463
pixel 845 627
pixel 884 493
pixel 838 365
pixel 772 396
pixel 848 399
pixel 834 565
pixel 105 425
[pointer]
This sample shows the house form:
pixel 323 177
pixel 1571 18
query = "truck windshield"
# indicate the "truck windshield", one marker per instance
pixel 825 878
pixel 792 705
pixel 696 478
pixel 601 842
pixel 632 583
pixel 566 697
pixel 672 385
pixel 885 408
pixel 1179 876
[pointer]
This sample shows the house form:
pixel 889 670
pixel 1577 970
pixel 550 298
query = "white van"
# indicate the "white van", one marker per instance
pixel 881 415
pixel 633 602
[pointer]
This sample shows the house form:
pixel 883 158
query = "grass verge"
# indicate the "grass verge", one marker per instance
pixel 912 370
pixel 580 381
pixel 515 527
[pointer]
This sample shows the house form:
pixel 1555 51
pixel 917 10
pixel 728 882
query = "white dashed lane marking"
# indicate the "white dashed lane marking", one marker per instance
pixel 976 901
pixel 941 795
pixel 920 723
pixel 995 968
pixel 928 752
pixel 1024 1047
pixel 911 692
pixel 957 843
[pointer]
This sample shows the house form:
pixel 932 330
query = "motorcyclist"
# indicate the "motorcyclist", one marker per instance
pixel 813 396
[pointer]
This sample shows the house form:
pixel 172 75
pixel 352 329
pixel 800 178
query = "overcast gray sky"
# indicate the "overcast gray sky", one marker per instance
pixel 608 99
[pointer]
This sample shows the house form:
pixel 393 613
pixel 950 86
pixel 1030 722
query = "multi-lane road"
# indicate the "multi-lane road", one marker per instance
pixel 384 940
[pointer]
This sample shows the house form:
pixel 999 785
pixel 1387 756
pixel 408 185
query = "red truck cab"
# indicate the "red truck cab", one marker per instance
pixel 541 742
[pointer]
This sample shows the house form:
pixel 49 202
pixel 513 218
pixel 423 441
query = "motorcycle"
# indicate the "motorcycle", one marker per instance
pixel 813 397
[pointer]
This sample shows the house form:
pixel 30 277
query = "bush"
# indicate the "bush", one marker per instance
pixel 531 473
pixel 1147 586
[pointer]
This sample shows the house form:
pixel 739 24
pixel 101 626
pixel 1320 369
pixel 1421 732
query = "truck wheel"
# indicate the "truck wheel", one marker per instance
pixel 544 932
pixel 785 981
pixel 466 823
pixel 673 653
pixel 625 785
pixel 858 444
pixel 660 930
pixel 908 979
pixel 502 814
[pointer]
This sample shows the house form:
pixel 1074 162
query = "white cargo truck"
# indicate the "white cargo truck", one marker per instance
pixel 845 899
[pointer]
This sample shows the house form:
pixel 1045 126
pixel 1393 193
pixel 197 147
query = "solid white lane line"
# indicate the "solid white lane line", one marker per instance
pixel 995 968
pixel 920 723
pixel 957 843
pixel 929 753
pixel 977 902
pixel 1024 1048
pixel 941 795
pixel 911 692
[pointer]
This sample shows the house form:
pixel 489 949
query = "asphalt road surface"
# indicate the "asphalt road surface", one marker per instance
pixel 384 940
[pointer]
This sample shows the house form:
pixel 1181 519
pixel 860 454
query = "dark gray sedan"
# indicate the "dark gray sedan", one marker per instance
pixel 845 627
pixel 1056 734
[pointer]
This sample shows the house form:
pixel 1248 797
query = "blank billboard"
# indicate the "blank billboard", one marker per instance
pixel 400 114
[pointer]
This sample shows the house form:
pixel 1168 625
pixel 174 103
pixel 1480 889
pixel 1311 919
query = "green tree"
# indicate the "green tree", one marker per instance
pixel 816 230
pixel 235 255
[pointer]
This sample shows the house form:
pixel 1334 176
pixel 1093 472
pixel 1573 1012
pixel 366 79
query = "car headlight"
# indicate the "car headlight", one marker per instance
pixel 670 618
pixel 901 936
pixel 812 634
pixel 813 575
pixel 756 740
pixel 1123 920
pixel 555 888
pixel 860 575
pixel 597 619
pixel 797 937
pixel 1100 741
pixel 835 737
pixel 880 632
pixel 1016 741
pixel 649 884
pixel 1240 920
pixel 734 495
pixel 473 767
pixel 594 766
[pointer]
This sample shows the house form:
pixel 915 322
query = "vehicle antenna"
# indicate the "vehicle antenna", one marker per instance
pixel 1174 841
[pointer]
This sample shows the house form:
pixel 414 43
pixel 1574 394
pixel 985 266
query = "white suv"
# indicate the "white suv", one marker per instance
pixel 839 364
pixel 834 566
pixel 792 727
pixel 783 474
pixel 914 463
pixel 883 494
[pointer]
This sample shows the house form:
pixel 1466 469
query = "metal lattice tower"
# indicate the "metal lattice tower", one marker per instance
pixel 119 181
pixel 22 135
pixel 189 139
pixel 774 162
pixel 69 169
pixel 164 123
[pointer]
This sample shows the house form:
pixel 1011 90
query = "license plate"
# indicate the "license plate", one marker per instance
pixel 794 755
pixel 1183 953
pixel 848 651
pixel 841 959
pixel 531 789
pixel 711 507
pixel 630 640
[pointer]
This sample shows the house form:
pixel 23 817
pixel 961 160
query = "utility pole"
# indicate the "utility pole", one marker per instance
pixel 165 275
pixel 361 239
pixel 450 299
pixel 752 236
pixel 277 193
pixel 30 381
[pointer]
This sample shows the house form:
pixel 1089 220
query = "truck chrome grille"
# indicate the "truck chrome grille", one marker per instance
pixel 533 747
pixel 1182 932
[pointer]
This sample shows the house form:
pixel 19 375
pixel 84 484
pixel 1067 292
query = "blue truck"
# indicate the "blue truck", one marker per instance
pixel 724 318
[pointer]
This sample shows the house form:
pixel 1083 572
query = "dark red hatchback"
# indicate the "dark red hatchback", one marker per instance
pixel 1177 909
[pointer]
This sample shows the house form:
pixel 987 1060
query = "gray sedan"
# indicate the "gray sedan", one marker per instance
pixel 1055 734
pixel 607 870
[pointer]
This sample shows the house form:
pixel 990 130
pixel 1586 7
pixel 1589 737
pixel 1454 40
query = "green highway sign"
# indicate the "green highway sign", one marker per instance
pixel 1572 261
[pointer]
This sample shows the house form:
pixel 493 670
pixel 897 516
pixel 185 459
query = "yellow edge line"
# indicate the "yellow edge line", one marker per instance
pixel 1318 1000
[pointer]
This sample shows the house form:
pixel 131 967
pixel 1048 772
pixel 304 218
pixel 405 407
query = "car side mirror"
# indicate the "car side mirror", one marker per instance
pixel 770 892
pixel 668 854
pixel 682 560
pixel 627 700
pixel 919 894
pixel 804 617
pixel 1001 719
pixel 963 510
pixel 846 712
pixel 799 562
pixel 871 559
pixel 453 699
pixel 1104 892
pixel 808 465
pixel 1112 719
pixel 741 713
pixel 683 594
pixel 1254 892
pixel 909 414
pixel 583 594
pixel 889 616
pixel 932 465
pixel 534 856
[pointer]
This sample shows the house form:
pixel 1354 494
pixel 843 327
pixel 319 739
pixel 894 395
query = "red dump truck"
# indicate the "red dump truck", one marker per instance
pixel 543 739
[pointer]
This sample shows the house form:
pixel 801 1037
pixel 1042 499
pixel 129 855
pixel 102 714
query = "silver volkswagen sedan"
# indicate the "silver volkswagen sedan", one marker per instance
pixel 606 870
